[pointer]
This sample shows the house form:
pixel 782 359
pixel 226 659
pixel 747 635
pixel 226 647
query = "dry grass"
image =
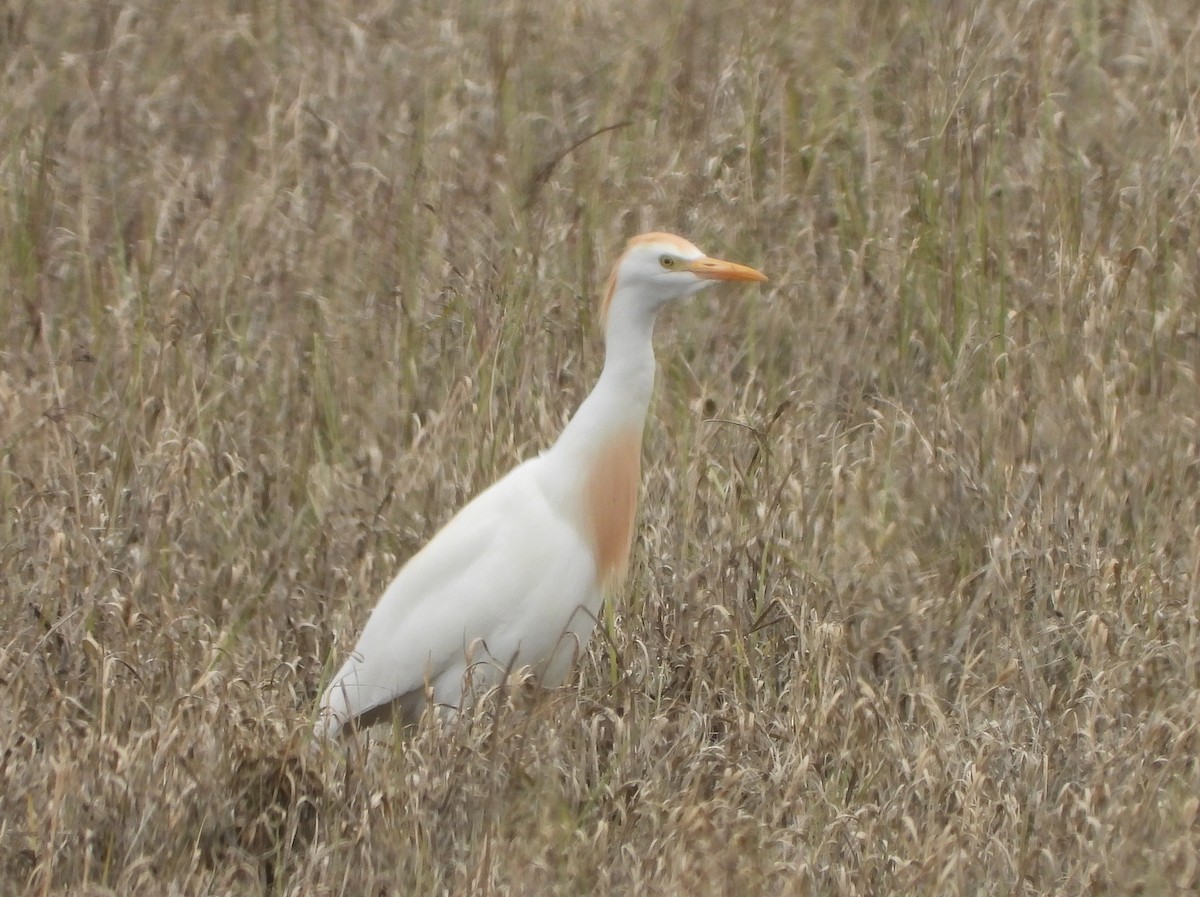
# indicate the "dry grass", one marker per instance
pixel 914 605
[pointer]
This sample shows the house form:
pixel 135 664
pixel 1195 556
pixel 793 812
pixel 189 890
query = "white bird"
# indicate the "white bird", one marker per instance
pixel 518 577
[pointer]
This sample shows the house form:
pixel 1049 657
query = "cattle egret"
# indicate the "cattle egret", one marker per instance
pixel 517 578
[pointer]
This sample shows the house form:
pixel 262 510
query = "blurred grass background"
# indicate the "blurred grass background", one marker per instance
pixel 914 599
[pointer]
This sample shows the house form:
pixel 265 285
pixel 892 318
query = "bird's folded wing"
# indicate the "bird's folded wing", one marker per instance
pixel 498 577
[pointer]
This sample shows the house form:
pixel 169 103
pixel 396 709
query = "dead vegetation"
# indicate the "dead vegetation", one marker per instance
pixel 914 604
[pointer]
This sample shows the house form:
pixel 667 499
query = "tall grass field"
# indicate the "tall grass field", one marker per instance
pixel 914 605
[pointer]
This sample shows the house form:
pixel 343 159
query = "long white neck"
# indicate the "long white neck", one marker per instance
pixel 621 397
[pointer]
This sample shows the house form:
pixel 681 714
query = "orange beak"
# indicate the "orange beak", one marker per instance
pixel 716 269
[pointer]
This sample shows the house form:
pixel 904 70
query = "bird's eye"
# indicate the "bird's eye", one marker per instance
pixel 667 261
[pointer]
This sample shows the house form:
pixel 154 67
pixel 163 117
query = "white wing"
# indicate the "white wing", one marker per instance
pixel 499 585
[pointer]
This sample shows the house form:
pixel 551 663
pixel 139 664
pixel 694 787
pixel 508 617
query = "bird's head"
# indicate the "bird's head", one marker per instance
pixel 657 268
